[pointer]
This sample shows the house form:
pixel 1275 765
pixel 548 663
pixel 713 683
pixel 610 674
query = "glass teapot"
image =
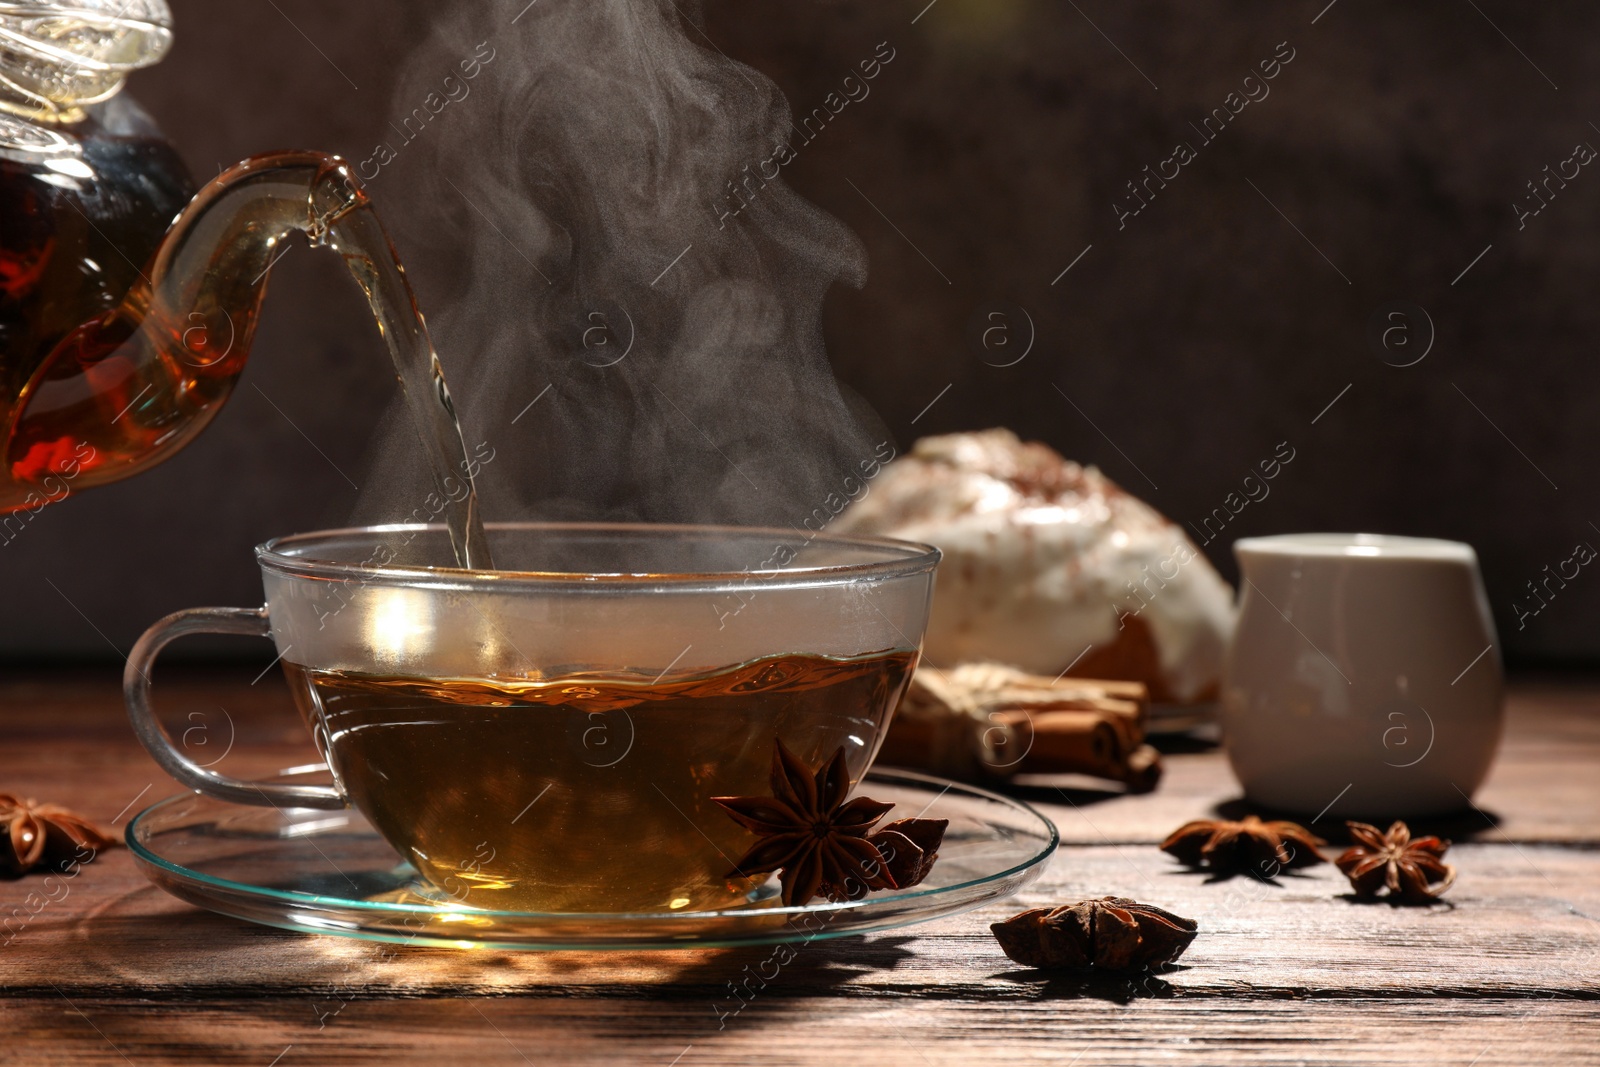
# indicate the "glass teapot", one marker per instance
pixel 128 303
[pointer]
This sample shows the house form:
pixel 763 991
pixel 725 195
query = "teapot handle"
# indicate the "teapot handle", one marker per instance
pixel 156 740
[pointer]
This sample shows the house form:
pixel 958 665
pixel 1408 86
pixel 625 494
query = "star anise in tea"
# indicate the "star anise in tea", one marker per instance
pixel 44 835
pixel 1109 934
pixel 1247 846
pixel 822 843
pixel 1407 867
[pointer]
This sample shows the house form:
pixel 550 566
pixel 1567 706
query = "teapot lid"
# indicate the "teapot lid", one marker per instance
pixel 57 57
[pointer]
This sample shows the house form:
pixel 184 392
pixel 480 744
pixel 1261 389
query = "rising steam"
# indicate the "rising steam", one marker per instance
pixel 564 214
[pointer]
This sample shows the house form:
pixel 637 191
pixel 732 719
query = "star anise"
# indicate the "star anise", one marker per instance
pixel 1109 934
pixel 1249 845
pixel 47 835
pixel 1407 868
pixel 813 836
pixel 909 848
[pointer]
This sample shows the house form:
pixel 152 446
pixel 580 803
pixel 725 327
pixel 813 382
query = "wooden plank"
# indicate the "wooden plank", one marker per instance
pixel 1522 921
pixel 1057 1026
pixel 1506 973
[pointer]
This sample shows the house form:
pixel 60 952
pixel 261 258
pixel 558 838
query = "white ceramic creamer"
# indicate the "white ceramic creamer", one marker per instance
pixel 1364 676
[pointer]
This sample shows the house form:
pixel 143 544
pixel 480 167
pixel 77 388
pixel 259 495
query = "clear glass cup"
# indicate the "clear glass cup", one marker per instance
pixel 551 735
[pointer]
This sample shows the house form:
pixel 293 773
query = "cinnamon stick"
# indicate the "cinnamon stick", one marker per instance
pixel 986 721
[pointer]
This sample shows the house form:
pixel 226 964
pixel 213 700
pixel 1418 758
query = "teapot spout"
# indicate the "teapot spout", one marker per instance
pixel 127 390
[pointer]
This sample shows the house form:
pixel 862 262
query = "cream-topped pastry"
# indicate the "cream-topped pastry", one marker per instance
pixel 1050 566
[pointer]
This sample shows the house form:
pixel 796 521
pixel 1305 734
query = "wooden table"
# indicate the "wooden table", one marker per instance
pixel 1507 973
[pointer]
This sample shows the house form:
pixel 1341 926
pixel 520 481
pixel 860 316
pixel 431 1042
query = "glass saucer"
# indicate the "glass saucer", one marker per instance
pixel 329 872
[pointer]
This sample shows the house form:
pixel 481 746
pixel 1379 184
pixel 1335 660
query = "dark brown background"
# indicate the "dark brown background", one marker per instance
pixel 1190 343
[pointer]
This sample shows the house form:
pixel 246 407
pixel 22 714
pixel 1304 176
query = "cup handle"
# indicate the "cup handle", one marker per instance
pixel 156 740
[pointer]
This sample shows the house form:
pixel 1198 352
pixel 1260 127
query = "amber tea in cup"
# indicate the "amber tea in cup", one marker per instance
pixel 549 737
pixel 545 772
